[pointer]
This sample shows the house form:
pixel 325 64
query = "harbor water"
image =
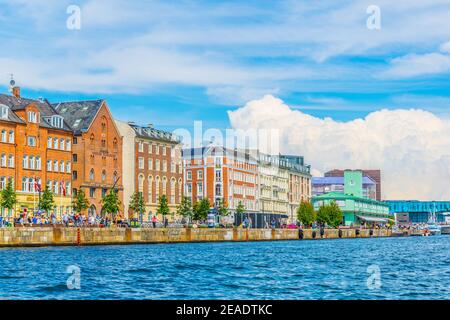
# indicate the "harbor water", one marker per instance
pixel 372 268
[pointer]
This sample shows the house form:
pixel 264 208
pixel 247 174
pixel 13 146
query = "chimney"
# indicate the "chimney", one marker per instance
pixel 16 92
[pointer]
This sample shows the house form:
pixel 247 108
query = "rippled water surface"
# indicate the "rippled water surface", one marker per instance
pixel 410 268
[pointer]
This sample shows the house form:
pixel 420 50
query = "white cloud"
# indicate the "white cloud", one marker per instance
pixel 411 147
pixel 417 65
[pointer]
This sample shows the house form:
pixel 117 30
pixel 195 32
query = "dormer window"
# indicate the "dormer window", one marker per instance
pixel 33 117
pixel 3 111
pixel 57 121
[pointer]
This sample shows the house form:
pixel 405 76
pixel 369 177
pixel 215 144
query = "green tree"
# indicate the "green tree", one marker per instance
pixel 330 214
pixel 334 215
pixel 201 209
pixel 163 207
pixel 8 198
pixel 137 203
pixel 111 203
pixel 46 202
pixel 240 209
pixel 305 213
pixel 80 202
pixel 222 208
pixel 184 209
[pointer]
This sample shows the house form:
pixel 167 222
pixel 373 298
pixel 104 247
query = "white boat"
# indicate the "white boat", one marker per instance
pixel 434 229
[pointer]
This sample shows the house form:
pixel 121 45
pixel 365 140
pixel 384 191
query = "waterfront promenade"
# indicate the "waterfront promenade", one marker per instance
pixel 72 236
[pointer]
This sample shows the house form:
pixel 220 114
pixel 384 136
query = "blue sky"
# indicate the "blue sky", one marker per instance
pixel 172 63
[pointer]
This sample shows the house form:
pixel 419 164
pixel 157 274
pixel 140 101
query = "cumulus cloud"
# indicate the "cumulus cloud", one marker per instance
pixel 411 147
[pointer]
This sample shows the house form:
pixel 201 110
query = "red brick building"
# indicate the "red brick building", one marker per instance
pixel 97 150
pixel 217 173
pixel 153 167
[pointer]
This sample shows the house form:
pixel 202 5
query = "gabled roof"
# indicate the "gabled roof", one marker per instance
pixel 79 114
pixel 45 108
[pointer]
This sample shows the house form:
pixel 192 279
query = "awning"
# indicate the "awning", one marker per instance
pixel 372 219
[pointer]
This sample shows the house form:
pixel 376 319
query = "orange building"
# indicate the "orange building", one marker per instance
pixel 217 173
pixel 35 149
pixel 97 150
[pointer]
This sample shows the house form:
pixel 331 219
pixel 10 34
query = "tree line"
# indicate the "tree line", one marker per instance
pixel 329 214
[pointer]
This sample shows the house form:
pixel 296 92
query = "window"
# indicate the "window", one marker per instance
pixel 49 142
pixel 61 166
pixel 157 167
pixel 164 150
pixel 164 168
pixel 115 177
pixel 141 146
pixel 62 144
pixel 189 188
pixel 150 148
pixel 189 175
pixel 3 112
pixel 157 149
pixel 31 141
pixel 3 160
pixel 164 185
pixel 150 164
pixel 11 161
pixel 199 188
pixel 24 184
pixel 74 157
pixel 157 187
pixel 103 143
pixel 200 174
pixel 115 143
pixel 55 187
pixel 68 145
pixel 150 181
pixel 32 117
pixel 3 136
pixel 49 165
pixel 55 165
pixel 104 190
pixel 38 163
pixel 218 190
pixel 173 168
pixel 91 175
pixel 141 163
pixel 25 162
pixel 11 136
pixel 2 183
pixel 103 176
pixel 32 163
pixel 57 121
pixel 92 192
pixel 68 167
pixel 55 143
pixel 141 183
pixel 74 175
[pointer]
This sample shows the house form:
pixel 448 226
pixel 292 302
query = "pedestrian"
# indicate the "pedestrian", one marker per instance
pixel 154 220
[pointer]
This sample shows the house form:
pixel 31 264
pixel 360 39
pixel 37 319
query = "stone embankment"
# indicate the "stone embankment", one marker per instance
pixel 59 236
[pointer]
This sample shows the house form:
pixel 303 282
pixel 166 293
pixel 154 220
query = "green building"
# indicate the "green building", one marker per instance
pixel 355 208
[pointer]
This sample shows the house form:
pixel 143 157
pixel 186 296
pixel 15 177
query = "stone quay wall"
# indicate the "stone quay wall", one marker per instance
pixel 59 236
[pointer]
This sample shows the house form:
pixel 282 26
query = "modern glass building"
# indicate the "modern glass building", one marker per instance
pixel 322 185
pixel 414 211
pixel 356 207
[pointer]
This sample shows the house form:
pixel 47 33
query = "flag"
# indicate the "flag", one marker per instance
pixel 37 185
pixel 63 188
